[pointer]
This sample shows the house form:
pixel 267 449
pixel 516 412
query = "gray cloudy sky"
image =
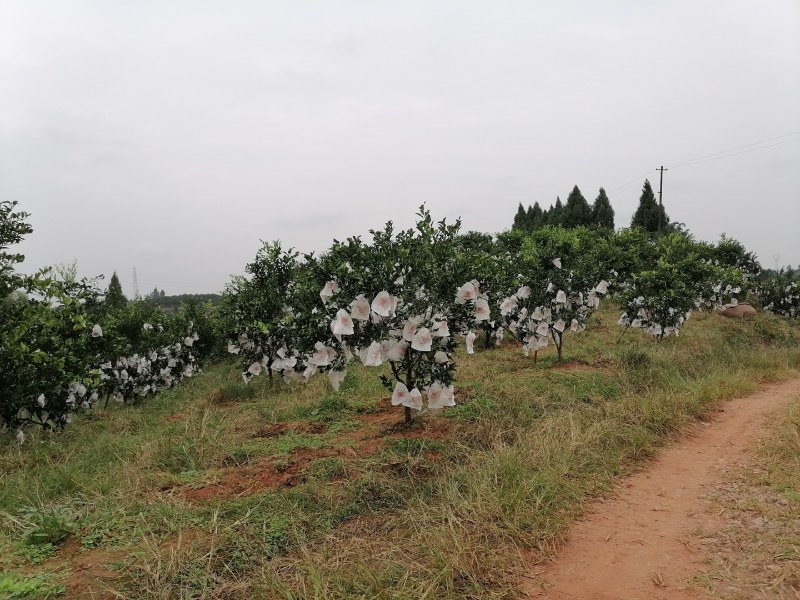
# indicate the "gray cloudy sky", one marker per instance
pixel 173 136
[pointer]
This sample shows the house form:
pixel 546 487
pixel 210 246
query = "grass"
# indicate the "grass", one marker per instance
pixel 213 490
pixel 757 552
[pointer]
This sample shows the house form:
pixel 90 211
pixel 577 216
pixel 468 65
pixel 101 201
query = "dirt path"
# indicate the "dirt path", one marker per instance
pixel 638 544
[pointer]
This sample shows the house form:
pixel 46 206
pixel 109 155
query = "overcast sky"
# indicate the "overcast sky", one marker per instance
pixel 173 136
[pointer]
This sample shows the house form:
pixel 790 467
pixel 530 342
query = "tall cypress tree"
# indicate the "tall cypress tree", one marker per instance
pixel 557 214
pixel 646 215
pixel 546 214
pixel 536 216
pixel 602 213
pixel 520 219
pixel 530 221
pixel 577 211
pixel 114 296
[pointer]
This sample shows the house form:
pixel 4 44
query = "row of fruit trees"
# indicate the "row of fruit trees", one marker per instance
pixel 406 299
pixel 64 348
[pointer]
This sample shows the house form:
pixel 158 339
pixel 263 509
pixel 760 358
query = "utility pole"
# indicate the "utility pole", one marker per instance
pixel 135 285
pixel 660 206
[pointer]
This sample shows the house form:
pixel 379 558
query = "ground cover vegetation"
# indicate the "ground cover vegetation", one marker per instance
pixel 260 477
pixel 757 553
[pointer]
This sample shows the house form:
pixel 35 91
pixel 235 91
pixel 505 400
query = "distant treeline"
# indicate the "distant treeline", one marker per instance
pixel 577 212
pixel 791 273
pixel 159 298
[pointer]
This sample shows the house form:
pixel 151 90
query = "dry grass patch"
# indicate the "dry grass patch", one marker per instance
pixel 756 553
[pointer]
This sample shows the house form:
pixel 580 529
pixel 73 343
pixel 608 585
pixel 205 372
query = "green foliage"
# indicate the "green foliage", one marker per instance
pixel 47 525
pixel 46 348
pixel 114 296
pixel 661 298
pixel 602 212
pixel 14 587
pixel 729 252
pixel 577 211
pixel 647 213
pixel 556 215
pixel 236 391
pixel 175 302
pixel 63 346
pixel 535 217
pixel 259 310
pixel 780 294
pixel 13 228
pixel 520 219
pixel 416 270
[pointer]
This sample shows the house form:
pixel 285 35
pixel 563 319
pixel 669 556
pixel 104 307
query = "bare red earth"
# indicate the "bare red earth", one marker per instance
pixel 373 432
pixel 638 545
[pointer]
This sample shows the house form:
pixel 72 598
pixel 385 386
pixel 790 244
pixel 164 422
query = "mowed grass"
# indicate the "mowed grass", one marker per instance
pixel 217 490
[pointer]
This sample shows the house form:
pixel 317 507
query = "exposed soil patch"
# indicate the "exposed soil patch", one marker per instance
pixel 576 367
pixel 374 430
pixel 174 418
pixel 270 475
pixel 91 575
pixel 278 429
pixel 386 423
pixel 638 545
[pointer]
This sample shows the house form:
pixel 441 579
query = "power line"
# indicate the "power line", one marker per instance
pixel 632 181
pixel 682 163
pixel 697 162
pixel 715 156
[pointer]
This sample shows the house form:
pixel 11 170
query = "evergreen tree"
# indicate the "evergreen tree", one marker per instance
pixel 530 221
pixel 646 215
pixel 520 219
pixel 602 213
pixel 536 217
pixel 577 211
pixel 546 215
pixel 557 214
pixel 114 295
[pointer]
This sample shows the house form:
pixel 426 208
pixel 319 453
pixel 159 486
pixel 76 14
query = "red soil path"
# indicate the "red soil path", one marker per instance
pixel 638 545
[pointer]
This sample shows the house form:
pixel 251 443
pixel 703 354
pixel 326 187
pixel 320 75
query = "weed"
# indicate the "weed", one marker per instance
pixel 327 469
pixel 330 409
pixel 414 446
pixel 233 392
pixel 37 554
pixel 636 359
pixel 47 525
pixel 480 407
pixel 15 587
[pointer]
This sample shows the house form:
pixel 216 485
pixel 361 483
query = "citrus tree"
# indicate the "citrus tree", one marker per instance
pixel 780 294
pixel 259 314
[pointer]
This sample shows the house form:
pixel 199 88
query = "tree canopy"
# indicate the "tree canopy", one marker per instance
pixel 114 296
pixel 602 213
pixel 576 212
pixel 647 214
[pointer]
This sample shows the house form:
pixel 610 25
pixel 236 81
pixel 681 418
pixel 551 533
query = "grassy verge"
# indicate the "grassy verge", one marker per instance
pixel 757 552
pixel 215 490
